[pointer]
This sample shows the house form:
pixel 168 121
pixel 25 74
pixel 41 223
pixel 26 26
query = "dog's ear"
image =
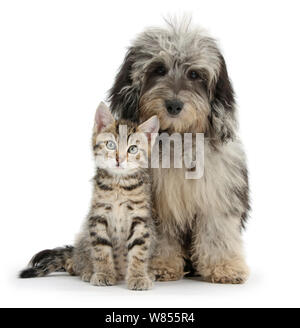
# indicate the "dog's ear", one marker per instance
pixel 222 118
pixel 124 95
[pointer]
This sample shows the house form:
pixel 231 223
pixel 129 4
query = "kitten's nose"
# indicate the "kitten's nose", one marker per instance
pixel 174 106
pixel 120 159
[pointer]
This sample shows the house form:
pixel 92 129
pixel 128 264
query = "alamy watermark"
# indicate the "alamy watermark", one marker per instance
pixel 170 151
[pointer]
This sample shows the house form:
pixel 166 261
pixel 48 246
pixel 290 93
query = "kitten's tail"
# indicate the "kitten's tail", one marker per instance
pixel 48 261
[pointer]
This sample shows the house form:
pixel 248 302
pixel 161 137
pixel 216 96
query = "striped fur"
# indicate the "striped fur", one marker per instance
pixel 48 261
pixel 118 237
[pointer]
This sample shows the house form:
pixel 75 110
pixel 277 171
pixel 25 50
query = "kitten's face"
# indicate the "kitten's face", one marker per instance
pixel 121 147
pixel 121 156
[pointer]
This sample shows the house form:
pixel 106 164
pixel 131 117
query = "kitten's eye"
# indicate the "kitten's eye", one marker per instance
pixel 133 149
pixel 160 70
pixel 111 145
pixel 193 75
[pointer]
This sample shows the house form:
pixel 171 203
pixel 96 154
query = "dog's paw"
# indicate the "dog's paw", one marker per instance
pixel 139 283
pixel 167 270
pixel 237 278
pixel 103 279
pixel 167 274
pixel 86 276
pixel 226 273
pixel 232 277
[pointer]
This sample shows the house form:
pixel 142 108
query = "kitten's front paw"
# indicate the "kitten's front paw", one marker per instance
pixel 139 283
pixel 103 279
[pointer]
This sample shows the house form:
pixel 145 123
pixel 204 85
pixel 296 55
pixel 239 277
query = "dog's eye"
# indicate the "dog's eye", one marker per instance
pixel 193 75
pixel 160 70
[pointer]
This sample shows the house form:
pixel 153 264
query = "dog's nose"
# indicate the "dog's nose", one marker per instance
pixel 174 106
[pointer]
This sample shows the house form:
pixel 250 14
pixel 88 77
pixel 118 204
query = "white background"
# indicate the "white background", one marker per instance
pixel 58 59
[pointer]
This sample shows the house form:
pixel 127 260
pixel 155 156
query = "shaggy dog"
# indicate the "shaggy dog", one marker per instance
pixel 179 74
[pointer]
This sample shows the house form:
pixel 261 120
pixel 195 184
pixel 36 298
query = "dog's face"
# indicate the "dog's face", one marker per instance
pixel 176 92
pixel 179 75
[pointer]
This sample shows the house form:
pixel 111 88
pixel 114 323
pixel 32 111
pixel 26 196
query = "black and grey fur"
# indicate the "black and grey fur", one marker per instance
pixel 179 74
pixel 48 261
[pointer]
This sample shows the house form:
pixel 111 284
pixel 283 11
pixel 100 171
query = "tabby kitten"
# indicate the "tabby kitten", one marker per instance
pixel 118 236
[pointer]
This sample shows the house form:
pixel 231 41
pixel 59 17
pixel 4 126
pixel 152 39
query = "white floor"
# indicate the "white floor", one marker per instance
pixel 65 291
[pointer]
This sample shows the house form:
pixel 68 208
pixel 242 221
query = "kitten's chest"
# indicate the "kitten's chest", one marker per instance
pixel 119 220
pixel 119 201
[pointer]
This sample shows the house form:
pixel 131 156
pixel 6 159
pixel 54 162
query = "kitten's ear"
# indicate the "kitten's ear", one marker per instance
pixel 150 126
pixel 103 117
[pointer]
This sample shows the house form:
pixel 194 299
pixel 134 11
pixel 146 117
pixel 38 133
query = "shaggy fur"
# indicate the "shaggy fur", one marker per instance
pixel 200 220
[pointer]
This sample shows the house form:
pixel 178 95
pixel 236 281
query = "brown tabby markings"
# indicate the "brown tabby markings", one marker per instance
pixel 118 240
pixel 118 237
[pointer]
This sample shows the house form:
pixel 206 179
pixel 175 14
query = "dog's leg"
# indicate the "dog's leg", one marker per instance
pixel 217 252
pixel 167 263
